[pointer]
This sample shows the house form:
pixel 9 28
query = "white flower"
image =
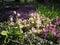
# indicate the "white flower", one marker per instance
pixel 19 21
pixel 24 21
pixel 21 26
pixel 12 23
pixel 30 31
pixel 32 14
pixel 38 22
pixel 18 14
pixel 11 18
pixel 47 25
pixel 32 22
pixel 33 30
pixel 48 19
pixel 14 12
pixel 27 25
pixel 38 31
pixel 34 17
pixel 31 19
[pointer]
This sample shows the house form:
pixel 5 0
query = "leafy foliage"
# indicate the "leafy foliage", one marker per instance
pixel 36 29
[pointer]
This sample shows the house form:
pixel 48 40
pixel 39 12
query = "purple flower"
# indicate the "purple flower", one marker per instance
pixel 51 28
pixel 54 32
pixel 31 11
pixel 25 11
pixel 24 16
pixel 57 22
pixel 44 35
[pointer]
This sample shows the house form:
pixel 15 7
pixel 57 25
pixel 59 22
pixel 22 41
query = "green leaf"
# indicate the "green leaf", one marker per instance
pixel 4 32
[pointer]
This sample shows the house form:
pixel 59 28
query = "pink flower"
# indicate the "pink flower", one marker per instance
pixel 57 21
pixel 54 32
pixel 45 30
pixel 51 24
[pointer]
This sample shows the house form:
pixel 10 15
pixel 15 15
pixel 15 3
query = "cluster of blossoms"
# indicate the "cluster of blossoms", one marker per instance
pixel 33 22
pixel 38 23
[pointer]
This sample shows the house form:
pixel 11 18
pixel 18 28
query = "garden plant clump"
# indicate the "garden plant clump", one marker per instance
pixel 34 29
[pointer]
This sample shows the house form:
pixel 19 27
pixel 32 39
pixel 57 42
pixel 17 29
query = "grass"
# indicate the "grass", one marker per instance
pixel 50 11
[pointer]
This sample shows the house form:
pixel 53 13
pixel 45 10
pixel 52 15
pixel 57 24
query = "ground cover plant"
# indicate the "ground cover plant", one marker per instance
pixel 35 29
pixel 29 25
pixel 49 10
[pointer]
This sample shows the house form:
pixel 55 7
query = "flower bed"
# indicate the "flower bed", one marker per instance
pixel 43 29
